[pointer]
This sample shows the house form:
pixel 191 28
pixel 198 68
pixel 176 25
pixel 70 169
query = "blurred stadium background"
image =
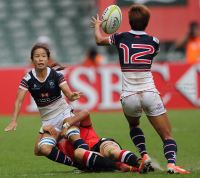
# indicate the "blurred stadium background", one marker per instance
pixel 66 23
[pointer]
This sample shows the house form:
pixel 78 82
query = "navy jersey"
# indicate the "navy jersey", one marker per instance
pixel 136 50
pixel 46 92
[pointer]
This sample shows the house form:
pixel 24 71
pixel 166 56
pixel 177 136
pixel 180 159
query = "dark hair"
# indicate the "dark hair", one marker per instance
pixel 92 53
pixel 44 46
pixel 193 26
pixel 37 46
pixel 139 16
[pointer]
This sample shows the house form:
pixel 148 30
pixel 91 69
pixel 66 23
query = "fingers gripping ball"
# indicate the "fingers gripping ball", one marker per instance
pixel 113 15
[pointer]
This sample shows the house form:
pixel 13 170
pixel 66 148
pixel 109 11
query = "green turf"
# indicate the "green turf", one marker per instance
pixel 17 158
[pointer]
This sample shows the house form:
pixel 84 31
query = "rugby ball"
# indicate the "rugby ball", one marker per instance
pixel 113 15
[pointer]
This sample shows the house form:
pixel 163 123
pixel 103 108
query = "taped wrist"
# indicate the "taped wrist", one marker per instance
pixel 66 125
pixel 41 131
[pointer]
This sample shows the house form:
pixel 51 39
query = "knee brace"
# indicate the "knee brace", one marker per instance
pixel 72 131
pixel 46 141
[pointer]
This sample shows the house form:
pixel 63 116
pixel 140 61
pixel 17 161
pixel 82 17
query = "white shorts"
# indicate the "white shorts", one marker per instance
pixel 149 100
pixel 57 121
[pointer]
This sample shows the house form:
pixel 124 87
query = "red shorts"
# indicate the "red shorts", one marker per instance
pixel 87 134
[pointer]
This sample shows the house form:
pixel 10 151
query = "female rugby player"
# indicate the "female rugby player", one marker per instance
pixel 136 50
pixel 45 85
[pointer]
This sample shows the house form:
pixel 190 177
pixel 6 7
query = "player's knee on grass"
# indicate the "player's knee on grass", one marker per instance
pixel 37 152
pixel 78 154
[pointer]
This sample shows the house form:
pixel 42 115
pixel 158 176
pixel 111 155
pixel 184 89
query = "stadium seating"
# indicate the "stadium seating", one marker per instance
pixel 65 22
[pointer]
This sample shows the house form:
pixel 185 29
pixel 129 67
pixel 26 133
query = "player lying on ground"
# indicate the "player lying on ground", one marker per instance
pixel 136 50
pixel 106 147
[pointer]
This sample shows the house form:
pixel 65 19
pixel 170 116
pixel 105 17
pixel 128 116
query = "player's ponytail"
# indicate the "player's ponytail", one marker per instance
pixel 57 64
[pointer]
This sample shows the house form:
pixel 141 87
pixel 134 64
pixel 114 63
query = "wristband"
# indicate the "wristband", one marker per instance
pixel 66 125
pixel 41 130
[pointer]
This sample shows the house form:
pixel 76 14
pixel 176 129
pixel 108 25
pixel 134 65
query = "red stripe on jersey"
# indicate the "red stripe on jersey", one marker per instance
pixel 21 84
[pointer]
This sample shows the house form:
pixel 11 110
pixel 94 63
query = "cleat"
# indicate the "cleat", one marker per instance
pixel 144 164
pixel 171 169
pixel 126 168
pixel 151 168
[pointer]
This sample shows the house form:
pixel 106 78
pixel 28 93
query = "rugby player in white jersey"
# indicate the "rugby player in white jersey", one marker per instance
pixel 136 50
pixel 45 85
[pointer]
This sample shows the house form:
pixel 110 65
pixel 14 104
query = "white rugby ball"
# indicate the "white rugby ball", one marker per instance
pixel 113 15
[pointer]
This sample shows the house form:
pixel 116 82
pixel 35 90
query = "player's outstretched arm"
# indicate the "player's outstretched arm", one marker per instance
pixel 101 41
pixel 17 107
pixel 71 96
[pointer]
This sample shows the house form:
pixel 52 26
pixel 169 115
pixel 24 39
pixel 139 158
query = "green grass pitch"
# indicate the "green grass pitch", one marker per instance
pixel 17 158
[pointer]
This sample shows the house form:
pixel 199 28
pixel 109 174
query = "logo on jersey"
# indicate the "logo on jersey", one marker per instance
pixel 35 87
pixel 44 95
pixel 27 77
pixel 159 106
pixel 51 83
pixel 156 40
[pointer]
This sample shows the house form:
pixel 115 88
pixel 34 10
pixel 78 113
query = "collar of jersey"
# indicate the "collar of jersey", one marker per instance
pixel 34 74
pixel 137 32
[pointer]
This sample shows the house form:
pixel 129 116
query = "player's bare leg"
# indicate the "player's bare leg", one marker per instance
pixel 112 150
pixel 162 125
pixel 47 147
pixel 138 139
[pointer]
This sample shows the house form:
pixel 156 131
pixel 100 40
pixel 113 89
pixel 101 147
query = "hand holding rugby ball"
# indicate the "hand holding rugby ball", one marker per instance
pixel 113 15
pixel 111 19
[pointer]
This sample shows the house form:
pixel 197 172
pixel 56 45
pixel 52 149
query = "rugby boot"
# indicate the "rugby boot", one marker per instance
pixel 172 169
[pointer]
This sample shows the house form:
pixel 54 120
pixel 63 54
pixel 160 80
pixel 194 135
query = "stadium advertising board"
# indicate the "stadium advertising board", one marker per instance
pixel 122 3
pixel 169 18
pixel 178 83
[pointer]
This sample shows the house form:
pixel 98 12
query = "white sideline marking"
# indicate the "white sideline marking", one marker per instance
pixel 46 174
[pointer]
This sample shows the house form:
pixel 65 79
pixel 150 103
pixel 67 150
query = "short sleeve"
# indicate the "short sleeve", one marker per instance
pixel 61 79
pixel 113 38
pixel 158 44
pixel 24 82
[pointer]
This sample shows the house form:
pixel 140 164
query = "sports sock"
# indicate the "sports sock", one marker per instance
pixel 58 156
pixel 80 143
pixel 128 158
pixel 170 149
pixel 93 160
pixel 138 139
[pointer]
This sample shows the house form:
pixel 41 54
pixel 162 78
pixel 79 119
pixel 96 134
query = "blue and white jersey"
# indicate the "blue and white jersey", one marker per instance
pixel 47 94
pixel 136 51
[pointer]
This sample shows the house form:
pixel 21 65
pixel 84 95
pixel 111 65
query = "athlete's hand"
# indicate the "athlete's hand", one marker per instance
pixel 12 125
pixel 97 22
pixel 76 95
pixel 64 131
pixel 50 129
